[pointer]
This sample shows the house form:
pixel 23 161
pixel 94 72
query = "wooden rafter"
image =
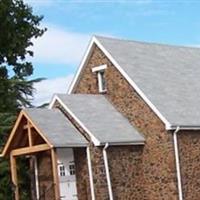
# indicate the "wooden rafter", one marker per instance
pixel 37 129
pixel 29 134
pixel 12 133
pixel 26 126
pixel 29 126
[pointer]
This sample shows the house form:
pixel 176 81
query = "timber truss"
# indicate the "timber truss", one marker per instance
pixel 27 139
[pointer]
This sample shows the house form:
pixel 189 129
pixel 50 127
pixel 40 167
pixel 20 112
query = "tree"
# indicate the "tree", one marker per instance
pixel 18 26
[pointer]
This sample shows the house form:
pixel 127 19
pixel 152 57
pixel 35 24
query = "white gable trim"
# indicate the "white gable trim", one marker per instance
pixel 82 64
pixel 131 82
pixel 93 138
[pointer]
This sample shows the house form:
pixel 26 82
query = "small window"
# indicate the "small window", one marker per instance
pixel 62 170
pixel 101 81
pixel 72 169
pixel 100 71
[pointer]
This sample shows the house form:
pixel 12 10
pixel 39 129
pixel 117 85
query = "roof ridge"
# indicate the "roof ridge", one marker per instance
pixel 80 94
pixel 147 42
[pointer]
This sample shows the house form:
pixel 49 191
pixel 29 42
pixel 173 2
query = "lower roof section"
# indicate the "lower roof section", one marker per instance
pixel 58 130
pixel 100 119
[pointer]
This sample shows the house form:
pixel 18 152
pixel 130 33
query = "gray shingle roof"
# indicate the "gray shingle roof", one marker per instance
pixel 56 127
pixel 101 118
pixel 169 76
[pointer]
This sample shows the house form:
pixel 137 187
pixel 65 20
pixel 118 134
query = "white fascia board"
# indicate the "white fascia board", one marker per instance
pixel 52 102
pixel 71 145
pixel 81 66
pixel 93 138
pixel 131 82
pixel 99 68
pixel 174 127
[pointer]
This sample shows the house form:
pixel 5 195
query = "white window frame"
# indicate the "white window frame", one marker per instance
pixel 62 171
pixel 72 168
pixel 99 70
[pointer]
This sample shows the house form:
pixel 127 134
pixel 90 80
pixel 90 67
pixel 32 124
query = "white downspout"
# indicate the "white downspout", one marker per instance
pixel 107 172
pixel 178 170
pixel 90 173
pixel 36 178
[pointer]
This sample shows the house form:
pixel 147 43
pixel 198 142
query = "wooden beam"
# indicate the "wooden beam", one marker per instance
pixel 29 150
pixel 55 174
pixel 29 135
pixel 26 126
pixel 14 176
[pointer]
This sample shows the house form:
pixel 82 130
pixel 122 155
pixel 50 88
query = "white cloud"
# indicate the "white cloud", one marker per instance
pixel 60 46
pixel 45 89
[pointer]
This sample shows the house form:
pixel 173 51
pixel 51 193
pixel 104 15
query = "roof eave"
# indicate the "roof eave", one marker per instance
pixel 183 127
pixel 122 143
pixel 71 145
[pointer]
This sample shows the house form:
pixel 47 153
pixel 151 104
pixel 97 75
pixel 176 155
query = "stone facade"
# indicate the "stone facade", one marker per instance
pixel 82 177
pixel 82 174
pixel 125 165
pixel 189 149
pixel 45 175
pixel 154 175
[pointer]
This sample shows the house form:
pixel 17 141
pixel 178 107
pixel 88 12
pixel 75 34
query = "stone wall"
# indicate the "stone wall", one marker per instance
pixel 125 165
pixel 157 165
pixel 82 177
pixel 45 175
pixel 189 149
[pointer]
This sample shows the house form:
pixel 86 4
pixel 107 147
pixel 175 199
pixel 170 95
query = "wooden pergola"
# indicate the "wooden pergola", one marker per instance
pixel 27 139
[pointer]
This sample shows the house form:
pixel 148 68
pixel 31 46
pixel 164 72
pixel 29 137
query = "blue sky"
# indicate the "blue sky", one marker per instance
pixel 72 23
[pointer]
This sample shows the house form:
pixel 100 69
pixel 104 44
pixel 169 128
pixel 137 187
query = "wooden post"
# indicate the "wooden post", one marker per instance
pixel 29 135
pixel 55 174
pixel 13 168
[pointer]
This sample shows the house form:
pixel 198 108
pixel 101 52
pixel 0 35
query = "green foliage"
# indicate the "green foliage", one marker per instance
pixel 5 182
pixel 24 181
pixel 18 26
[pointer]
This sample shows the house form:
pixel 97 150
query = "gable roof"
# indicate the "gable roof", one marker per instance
pixel 100 119
pixel 56 127
pixel 167 77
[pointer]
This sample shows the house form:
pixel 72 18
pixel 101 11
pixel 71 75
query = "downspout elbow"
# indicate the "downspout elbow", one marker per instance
pixel 106 146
